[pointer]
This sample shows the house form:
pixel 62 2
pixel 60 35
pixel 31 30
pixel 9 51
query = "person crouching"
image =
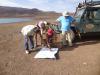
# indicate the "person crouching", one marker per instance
pixel 49 34
pixel 42 27
pixel 29 32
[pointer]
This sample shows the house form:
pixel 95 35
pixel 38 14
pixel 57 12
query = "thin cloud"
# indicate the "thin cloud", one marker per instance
pixel 46 5
pixel 9 3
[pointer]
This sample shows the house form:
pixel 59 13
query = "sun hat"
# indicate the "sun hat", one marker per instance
pixel 41 24
pixel 65 13
pixel 45 22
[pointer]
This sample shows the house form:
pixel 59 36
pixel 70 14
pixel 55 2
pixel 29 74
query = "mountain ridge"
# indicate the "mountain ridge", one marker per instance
pixel 7 11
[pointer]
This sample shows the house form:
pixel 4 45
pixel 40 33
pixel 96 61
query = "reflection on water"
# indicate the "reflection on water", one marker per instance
pixel 11 20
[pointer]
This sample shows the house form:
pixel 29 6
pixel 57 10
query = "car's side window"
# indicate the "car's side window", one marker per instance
pixel 97 14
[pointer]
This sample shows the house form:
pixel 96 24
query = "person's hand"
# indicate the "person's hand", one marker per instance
pixel 54 23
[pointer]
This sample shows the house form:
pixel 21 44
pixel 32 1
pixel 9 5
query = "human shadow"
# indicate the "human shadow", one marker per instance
pixel 85 40
pixel 66 47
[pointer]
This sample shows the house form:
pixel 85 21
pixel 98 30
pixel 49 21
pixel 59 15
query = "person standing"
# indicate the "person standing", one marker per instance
pixel 65 21
pixel 29 32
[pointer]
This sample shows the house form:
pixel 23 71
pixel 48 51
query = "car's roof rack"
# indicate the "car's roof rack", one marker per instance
pixel 89 3
pixel 92 3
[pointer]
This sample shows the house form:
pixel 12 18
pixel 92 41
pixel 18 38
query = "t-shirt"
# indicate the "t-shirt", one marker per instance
pixel 65 22
pixel 28 30
pixel 50 32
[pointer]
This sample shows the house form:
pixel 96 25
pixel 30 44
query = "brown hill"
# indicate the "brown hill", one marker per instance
pixel 23 12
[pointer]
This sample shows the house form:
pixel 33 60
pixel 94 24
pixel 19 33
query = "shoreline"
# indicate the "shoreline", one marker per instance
pixel 33 21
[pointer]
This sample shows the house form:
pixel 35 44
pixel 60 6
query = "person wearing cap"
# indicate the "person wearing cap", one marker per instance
pixel 29 32
pixel 65 21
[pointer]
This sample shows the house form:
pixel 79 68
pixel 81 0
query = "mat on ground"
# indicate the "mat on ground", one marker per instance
pixel 46 53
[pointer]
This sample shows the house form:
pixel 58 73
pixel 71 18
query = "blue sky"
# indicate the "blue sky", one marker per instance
pixel 46 5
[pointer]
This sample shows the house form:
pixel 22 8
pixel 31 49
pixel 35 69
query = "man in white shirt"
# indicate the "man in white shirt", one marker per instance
pixel 29 32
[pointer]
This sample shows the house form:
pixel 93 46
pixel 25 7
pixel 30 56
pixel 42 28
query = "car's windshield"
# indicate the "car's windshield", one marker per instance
pixel 79 13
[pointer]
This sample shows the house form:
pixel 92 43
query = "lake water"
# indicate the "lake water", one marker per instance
pixel 12 20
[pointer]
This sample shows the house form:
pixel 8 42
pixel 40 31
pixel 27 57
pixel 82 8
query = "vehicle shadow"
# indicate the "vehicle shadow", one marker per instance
pixel 88 39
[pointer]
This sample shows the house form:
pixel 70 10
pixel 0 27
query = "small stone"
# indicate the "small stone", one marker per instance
pixel 84 63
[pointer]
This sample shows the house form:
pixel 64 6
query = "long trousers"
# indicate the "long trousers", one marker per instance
pixel 67 36
pixel 28 42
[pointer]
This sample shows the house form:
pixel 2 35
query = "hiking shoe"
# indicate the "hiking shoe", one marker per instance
pixel 32 49
pixel 27 52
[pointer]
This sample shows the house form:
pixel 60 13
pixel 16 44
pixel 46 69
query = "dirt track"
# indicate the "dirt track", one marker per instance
pixel 81 59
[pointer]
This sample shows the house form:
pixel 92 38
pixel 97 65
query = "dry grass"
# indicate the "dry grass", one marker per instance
pixel 82 59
